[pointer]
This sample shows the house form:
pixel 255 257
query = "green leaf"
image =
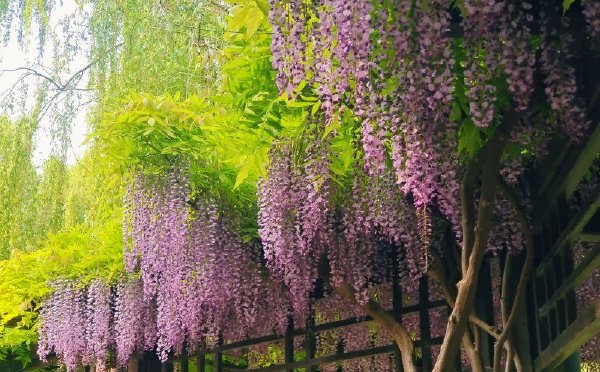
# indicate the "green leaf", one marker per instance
pixel 239 17
pixel 255 18
pixel 335 123
pixel 390 85
pixel 566 4
pixel 316 107
pixel 469 138
pixel 242 174
pixel 299 104
pixel 456 112
pixel 264 7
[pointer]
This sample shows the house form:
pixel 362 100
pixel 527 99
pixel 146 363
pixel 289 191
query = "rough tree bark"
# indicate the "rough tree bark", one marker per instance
pixel 520 291
pixel 438 273
pixel 489 160
pixel 390 324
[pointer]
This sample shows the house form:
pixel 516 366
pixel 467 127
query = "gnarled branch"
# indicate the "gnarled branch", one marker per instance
pixel 387 320
pixel 520 291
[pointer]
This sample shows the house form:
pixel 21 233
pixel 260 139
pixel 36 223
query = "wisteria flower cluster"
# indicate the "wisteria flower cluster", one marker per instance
pixel 192 283
pixel 294 220
pixel 591 11
pixel 76 325
pixel 205 283
pixel 561 83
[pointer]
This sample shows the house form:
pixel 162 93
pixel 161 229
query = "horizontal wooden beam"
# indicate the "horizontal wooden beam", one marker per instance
pixel 341 357
pixel 583 163
pixel 590 237
pixel 586 326
pixel 581 273
pixel 325 327
pixel 328 359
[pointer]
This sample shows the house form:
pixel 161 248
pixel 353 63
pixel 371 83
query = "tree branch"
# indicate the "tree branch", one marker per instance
pixel 490 165
pixel 389 323
pixel 520 291
pixel 36 73
pixel 467 191
pixel 438 274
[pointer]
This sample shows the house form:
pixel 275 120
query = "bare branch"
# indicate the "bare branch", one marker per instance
pixel 387 320
pixel 467 191
pixel 36 73
pixel 489 158
pixel 520 291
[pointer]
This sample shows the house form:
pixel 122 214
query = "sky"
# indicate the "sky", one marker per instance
pixel 12 56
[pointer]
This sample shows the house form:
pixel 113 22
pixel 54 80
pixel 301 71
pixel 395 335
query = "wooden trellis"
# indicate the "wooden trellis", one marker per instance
pixel 310 331
pixel 557 326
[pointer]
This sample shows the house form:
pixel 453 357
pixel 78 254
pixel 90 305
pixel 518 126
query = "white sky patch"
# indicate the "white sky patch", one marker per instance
pixel 13 56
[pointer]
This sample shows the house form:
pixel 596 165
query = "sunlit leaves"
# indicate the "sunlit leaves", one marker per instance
pixel 74 253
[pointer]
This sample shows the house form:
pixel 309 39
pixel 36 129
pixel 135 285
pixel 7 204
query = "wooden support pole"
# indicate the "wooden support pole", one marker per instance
pixel 289 344
pixel 183 363
pixel 133 365
pixel 397 309
pixel 311 339
pixel 218 358
pixel 200 361
pixel 426 362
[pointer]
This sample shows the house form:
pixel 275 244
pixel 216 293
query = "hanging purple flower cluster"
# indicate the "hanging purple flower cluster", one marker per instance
pixel 591 11
pixel 506 233
pixel 99 327
pixel 204 282
pixel 497 39
pixel 483 49
pixel 393 66
pixel 76 325
pixel 288 24
pixel 295 218
pixel 135 320
pixel 376 213
pixel 560 81
pixel 191 283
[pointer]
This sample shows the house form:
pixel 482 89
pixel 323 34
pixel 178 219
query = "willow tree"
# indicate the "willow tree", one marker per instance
pixel 18 184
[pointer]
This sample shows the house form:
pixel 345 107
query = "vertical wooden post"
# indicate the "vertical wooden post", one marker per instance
pixel 218 358
pixel 396 308
pixel 289 344
pixel 340 350
pixel 310 338
pixel 424 323
pixel 201 360
pixel 485 310
pixel 396 305
pixel 184 364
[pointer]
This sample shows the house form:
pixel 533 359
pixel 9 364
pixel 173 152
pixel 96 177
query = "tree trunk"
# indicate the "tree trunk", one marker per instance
pixel 489 158
pixel 390 324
